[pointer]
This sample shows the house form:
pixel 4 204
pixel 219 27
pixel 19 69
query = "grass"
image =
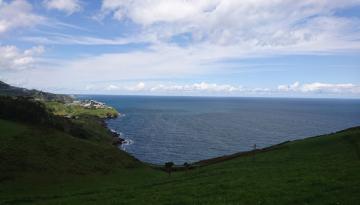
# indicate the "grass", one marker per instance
pixel 62 109
pixel 89 119
pixel 45 166
pixel 26 149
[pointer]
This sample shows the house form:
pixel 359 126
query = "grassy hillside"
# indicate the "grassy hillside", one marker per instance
pixel 89 120
pixel 45 166
pixel 8 90
pixel 36 150
pixel 76 110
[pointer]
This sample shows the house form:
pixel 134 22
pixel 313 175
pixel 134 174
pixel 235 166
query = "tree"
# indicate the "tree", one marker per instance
pixel 187 166
pixel 168 167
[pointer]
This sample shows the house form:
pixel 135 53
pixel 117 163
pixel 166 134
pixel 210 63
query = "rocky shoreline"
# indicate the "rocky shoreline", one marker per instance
pixel 116 137
pixel 117 140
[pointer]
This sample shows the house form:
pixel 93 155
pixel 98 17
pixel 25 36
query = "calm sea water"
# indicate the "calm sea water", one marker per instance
pixel 188 129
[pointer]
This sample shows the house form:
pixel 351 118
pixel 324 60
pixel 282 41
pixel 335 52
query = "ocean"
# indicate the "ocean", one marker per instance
pixel 189 129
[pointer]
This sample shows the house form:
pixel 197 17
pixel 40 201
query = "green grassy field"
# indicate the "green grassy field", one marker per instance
pixel 62 109
pixel 46 166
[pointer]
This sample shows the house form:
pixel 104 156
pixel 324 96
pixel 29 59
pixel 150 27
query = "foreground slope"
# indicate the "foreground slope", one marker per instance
pixel 318 170
pixel 31 150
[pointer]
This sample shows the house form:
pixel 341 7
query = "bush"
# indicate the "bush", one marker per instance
pixel 23 109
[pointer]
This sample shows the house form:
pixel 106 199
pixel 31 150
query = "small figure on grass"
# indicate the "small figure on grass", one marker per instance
pixel 254 152
pixel 168 167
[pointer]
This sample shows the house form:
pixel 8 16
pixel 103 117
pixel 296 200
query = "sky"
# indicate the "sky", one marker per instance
pixel 260 48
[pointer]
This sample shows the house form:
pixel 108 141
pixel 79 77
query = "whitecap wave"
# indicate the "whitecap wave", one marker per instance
pixel 126 143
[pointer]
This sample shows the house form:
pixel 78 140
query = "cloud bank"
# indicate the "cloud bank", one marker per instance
pixel 320 88
pixel 204 88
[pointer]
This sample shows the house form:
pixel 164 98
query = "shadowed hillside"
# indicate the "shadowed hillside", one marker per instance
pixel 8 90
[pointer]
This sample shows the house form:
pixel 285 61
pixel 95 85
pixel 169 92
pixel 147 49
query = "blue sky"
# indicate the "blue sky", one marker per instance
pixel 275 48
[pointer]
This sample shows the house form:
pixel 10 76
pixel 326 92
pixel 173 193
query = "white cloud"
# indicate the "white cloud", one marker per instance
pixel 80 40
pixel 292 87
pixel 147 12
pixel 262 24
pixel 316 87
pixel 227 89
pixel 197 87
pixel 17 14
pixel 12 58
pixel 332 88
pixel 109 87
pixel 68 6
pixel 138 87
pixel 202 87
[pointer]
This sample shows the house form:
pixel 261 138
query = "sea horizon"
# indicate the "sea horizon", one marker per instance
pixel 218 96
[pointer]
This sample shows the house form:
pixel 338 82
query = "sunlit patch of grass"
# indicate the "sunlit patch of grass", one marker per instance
pixel 74 110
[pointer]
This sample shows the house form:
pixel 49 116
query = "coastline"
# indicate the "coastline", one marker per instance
pixel 119 141
pixel 116 137
pixel 223 158
pixel 103 113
